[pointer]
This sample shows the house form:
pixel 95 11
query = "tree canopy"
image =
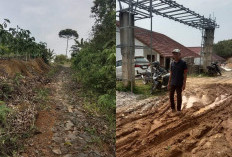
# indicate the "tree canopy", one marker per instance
pixel 223 48
pixel 95 62
pixel 68 33
pixel 18 42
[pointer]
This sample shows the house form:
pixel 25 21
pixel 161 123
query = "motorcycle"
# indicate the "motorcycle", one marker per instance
pixel 147 76
pixel 214 69
pixel 160 78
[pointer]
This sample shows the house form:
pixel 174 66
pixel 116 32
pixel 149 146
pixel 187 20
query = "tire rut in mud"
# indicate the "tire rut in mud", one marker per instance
pixel 161 133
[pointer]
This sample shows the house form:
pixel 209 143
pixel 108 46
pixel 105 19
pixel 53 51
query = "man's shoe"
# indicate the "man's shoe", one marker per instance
pixel 178 113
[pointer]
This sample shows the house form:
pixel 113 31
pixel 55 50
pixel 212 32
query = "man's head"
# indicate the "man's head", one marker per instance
pixel 176 54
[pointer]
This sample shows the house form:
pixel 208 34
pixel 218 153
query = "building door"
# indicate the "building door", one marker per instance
pixel 167 64
pixel 161 61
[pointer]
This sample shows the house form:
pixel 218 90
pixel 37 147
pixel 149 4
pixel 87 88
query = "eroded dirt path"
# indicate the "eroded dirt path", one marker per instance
pixel 148 128
pixel 65 128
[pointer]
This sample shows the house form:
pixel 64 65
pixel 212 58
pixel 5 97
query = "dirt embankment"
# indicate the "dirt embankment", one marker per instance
pixel 9 68
pixel 204 128
pixel 23 89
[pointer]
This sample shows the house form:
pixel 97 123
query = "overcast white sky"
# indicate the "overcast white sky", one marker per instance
pixel 45 18
pixel 189 36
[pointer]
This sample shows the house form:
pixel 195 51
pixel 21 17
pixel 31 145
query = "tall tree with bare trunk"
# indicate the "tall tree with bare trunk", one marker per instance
pixel 68 34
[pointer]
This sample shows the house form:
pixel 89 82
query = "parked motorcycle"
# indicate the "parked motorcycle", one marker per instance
pixel 147 76
pixel 214 69
pixel 160 78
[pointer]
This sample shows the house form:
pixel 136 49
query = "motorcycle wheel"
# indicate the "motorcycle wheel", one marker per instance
pixel 159 86
pixel 153 88
pixel 144 79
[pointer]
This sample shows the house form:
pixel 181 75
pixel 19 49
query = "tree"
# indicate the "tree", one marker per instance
pixel 18 42
pixel 77 47
pixel 95 62
pixel 68 34
pixel 60 59
pixel 223 48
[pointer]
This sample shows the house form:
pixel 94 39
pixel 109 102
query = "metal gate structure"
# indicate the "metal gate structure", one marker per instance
pixel 132 10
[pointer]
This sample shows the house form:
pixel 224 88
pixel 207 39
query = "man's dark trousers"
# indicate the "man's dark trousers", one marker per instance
pixel 178 90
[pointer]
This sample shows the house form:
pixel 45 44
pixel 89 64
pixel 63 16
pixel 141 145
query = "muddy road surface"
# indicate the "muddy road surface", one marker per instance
pixel 148 128
pixel 66 128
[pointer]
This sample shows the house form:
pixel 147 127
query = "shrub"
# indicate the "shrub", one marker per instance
pixel 60 59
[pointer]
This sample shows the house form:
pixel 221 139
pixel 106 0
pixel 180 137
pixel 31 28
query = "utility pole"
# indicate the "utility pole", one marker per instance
pixel 127 48
pixel 208 47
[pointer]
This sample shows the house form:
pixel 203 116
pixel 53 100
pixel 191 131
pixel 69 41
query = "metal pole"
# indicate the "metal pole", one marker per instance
pixel 130 46
pixel 151 37
pixel 202 40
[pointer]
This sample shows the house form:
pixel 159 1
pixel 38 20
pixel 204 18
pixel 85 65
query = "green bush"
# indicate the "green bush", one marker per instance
pixel 96 71
pixel 223 48
pixel 4 111
pixel 60 59
pixel 94 64
pixel 18 42
pixel 6 90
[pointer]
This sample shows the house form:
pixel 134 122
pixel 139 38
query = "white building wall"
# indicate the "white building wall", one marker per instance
pixel 197 61
pixel 118 50
pixel 138 52
pixel 158 57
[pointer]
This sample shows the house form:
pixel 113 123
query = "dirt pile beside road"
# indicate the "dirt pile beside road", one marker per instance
pixel 9 68
pixel 229 65
pixel 204 127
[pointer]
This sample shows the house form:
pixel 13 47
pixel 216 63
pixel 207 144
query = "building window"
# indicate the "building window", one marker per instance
pixel 151 58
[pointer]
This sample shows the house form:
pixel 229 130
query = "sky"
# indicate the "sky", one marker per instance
pixel 189 36
pixel 45 18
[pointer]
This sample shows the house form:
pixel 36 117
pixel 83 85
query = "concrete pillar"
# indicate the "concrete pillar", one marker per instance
pixel 127 50
pixel 208 48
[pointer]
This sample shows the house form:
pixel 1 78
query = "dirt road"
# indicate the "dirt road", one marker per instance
pixel 66 129
pixel 148 128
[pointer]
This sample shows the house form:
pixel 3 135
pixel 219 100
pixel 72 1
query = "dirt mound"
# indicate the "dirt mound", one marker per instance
pixel 202 129
pixel 9 68
pixel 42 64
pixel 228 65
pixel 229 60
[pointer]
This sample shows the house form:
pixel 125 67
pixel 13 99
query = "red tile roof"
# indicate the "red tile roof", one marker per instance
pixel 214 56
pixel 161 43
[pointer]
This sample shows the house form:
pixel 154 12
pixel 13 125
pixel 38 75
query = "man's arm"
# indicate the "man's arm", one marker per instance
pixel 169 81
pixel 185 78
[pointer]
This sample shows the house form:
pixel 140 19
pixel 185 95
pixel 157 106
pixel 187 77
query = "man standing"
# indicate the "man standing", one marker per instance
pixel 177 79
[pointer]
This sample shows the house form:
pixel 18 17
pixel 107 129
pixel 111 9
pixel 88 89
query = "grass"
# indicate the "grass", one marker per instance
pixel 141 89
pixel 6 90
pixel 91 107
pixel 91 131
pixel 42 97
pixel 4 111
pixel 97 141
pixel 18 77
pixel 105 106
pixel 54 70
pixel 10 141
